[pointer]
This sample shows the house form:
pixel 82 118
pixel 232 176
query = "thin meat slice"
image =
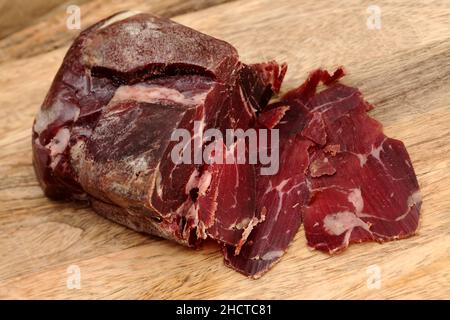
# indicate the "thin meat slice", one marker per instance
pixel 235 213
pixel 372 192
pixel 362 184
pixel 281 197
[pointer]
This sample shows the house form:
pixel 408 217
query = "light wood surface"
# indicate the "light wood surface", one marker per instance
pixel 403 68
pixel 50 31
pixel 15 15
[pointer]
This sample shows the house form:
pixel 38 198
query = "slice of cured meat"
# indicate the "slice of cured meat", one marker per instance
pixel 339 174
pixel 280 197
pixel 362 183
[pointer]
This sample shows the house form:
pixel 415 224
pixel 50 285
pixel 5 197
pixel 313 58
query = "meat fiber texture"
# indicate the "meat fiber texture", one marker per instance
pixel 104 131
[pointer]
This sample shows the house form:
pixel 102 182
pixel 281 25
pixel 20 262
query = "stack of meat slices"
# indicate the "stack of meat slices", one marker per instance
pixel 339 175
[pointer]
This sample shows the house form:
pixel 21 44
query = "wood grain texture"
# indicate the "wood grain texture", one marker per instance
pixel 404 69
pixel 49 32
pixel 15 15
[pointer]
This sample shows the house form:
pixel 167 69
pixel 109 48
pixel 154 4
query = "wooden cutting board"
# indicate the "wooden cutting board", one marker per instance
pixel 403 68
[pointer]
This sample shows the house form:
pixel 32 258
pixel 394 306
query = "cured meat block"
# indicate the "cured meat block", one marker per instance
pixel 104 130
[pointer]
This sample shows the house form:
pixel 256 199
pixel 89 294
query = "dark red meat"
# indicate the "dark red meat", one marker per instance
pixel 104 134
pixel 104 129
pixel 365 189
pixel 339 174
